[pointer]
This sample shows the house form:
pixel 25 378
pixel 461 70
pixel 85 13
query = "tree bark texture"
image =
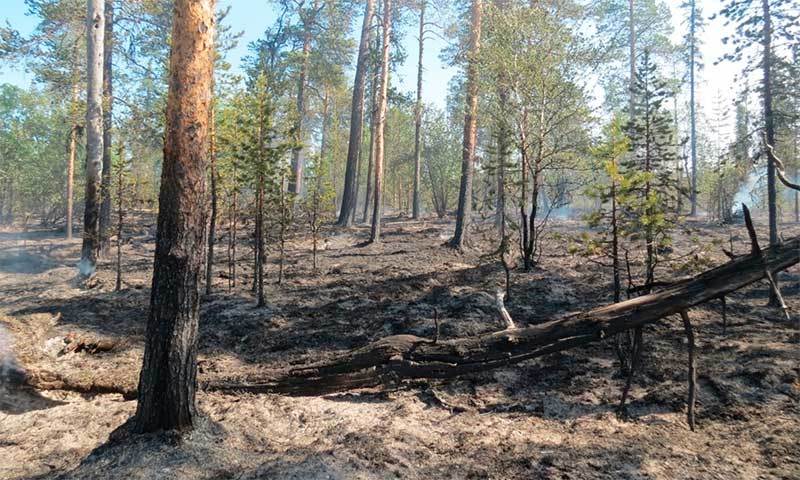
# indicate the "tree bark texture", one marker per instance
pixel 349 196
pixel 95 31
pixel 380 126
pixel 769 130
pixel 108 105
pixel 212 224
pixel 464 212
pixel 167 381
pixel 418 117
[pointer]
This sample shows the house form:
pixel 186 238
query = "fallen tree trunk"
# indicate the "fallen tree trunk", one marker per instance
pixel 409 357
pixel 404 357
pixel 47 380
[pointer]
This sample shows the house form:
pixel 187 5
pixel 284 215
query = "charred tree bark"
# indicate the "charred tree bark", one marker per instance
pixel 108 104
pixel 464 213
pixel 212 225
pixel 371 160
pixel 120 215
pixel 232 238
pixel 95 28
pixel 769 130
pixel 380 126
pixel 260 256
pixel 349 196
pixel 168 379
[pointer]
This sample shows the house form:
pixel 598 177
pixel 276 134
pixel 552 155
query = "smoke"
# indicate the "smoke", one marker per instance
pixel 9 369
pixel 86 269
pixel 748 190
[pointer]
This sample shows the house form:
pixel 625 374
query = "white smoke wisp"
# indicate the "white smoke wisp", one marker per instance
pixel 86 269
pixel 8 364
pixel 748 191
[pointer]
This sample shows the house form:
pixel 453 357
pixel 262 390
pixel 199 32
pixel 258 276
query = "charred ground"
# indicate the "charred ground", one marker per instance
pixel 551 418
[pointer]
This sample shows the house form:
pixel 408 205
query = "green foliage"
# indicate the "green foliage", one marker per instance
pixel 650 188
pixel 32 152
pixel 441 162
pixel 256 138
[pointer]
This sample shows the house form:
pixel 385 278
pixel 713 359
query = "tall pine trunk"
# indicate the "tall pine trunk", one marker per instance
pixel 371 160
pixel 349 196
pixel 95 30
pixel 298 160
pixel 460 237
pixel 108 99
pixel 769 132
pixel 380 125
pixel 167 382
pixel 418 116
pixel 692 103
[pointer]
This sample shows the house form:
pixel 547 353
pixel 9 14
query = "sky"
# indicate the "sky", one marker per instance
pixel 716 84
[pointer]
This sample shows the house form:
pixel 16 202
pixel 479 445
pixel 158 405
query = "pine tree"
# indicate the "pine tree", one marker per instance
pixel 94 137
pixel 469 146
pixel 168 379
pixel 609 193
pixel 647 208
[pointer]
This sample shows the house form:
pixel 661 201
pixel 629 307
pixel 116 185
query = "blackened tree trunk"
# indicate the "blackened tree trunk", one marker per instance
pixel 769 132
pixel 380 126
pixel 168 379
pixel 232 222
pixel 418 116
pixel 464 213
pixel 108 104
pixel 95 30
pixel 261 256
pixel 371 160
pixel 349 196
pixel 212 225
pixel 120 214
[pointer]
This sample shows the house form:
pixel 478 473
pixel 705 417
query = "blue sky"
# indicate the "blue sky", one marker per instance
pixel 253 16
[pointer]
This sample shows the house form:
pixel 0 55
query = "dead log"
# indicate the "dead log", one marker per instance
pixel 401 357
pixel 76 344
pixel 48 380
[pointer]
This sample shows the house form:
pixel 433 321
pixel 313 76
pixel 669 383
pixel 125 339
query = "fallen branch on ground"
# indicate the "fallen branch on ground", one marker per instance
pixel 403 357
pixel 400 357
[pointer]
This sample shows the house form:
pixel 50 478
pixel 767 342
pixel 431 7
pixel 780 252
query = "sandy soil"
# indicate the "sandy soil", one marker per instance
pixel 550 418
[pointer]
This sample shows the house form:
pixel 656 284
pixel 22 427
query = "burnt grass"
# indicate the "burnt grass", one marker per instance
pixel 554 417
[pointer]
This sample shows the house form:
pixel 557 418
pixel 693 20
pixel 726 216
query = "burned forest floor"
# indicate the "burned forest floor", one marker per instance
pixel 550 418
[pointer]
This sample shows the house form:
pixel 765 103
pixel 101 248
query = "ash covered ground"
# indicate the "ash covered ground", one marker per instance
pixel 555 417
